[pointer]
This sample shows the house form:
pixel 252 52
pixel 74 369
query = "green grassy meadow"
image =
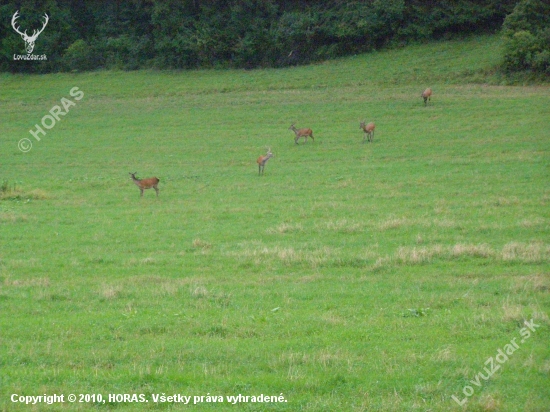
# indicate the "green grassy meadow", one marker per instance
pixel 349 277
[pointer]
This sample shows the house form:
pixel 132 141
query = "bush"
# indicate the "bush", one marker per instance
pixel 79 57
pixel 527 37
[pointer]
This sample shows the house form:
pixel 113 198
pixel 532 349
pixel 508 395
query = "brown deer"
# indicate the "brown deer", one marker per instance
pixel 262 160
pixel 143 184
pixel 368 129
pixel 301 133
pixel 426 95
pixel 29 40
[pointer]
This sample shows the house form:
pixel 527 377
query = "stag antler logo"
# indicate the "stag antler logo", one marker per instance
pixel 29 40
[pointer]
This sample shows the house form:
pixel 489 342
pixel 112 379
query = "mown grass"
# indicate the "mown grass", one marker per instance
pixel 349 277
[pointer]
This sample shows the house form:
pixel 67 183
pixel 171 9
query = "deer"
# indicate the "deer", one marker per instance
pixel 262 160
pixel 29 40
pixel 143 184
pixel 426 95
pixel 301 133
pixel 368 129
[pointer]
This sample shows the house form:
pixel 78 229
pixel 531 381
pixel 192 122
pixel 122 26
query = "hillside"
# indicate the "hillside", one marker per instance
pixel 378 276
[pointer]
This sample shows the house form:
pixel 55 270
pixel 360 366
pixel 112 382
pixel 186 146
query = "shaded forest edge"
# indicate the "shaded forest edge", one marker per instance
pixel 190 34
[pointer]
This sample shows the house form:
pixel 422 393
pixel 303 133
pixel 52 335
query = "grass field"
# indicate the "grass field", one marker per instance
pixel 349 277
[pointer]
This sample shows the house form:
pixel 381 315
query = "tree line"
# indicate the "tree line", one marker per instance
pixel 183 34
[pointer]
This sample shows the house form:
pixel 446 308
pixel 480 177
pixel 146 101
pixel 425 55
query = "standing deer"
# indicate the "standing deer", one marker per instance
pixel 426 95
pixel 368 129
pixel 262 160
pixel 301 133
pixel 143 184
pixel 29 40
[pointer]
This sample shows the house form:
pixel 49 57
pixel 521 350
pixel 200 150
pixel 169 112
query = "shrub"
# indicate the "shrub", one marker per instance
pixel 527 37
pixel 78 57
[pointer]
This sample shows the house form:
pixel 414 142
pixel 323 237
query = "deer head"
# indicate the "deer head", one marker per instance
pixel 29 40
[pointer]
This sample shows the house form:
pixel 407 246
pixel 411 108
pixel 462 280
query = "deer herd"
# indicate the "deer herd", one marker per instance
pixel 368 129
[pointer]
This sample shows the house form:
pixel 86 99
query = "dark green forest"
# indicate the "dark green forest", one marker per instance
pixel 130 35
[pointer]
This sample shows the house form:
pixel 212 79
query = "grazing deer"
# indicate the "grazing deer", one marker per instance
pixel 426 95
pixel 262 160
pixel 29 40
pixel 301 133
pixel 143 184
pixel 368 129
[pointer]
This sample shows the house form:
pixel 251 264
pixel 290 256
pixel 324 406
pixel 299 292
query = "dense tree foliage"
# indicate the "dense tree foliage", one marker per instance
pixel 527 33
pixel 85 35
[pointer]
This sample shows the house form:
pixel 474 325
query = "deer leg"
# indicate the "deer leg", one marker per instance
pixel 312 137
pixel 141 190
pixel 156 190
